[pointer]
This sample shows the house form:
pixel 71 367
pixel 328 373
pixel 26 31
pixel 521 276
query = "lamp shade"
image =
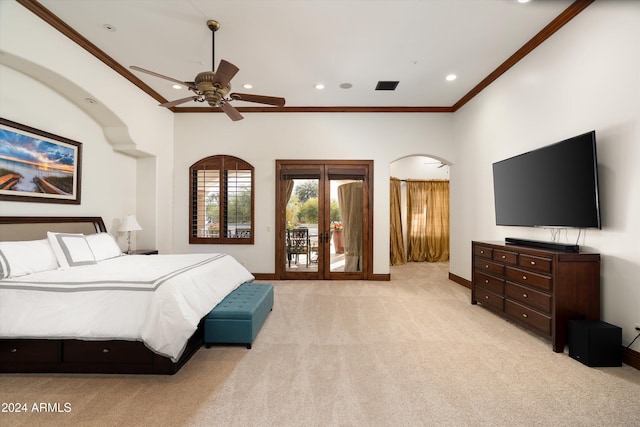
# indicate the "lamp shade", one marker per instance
pixel 130 223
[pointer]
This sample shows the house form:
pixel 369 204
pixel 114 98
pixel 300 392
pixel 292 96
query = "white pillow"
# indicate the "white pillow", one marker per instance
pixel 71 250
pixel 103 246
pixel 22 258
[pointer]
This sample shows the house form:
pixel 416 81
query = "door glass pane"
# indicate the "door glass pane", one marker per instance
pixel 301 239
pixel 346 216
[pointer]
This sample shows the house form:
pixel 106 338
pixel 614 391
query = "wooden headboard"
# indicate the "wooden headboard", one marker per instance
pixel 16 228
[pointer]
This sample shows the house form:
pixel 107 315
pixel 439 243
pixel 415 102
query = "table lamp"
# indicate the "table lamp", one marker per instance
pixel 129 224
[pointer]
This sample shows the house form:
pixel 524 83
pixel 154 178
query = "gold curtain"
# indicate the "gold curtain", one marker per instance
pixel 397 253
pixel 289 183
pixel 350 203
pixel 438 221
pixel 428 220
pixel 417 220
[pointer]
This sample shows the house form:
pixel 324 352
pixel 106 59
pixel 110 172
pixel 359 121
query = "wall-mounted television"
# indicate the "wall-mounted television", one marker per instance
pixel 553 186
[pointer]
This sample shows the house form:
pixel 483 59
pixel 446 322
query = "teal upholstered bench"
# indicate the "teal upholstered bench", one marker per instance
pixel 238 318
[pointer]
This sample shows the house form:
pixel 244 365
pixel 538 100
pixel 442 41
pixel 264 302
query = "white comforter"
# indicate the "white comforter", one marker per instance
pixel 157 299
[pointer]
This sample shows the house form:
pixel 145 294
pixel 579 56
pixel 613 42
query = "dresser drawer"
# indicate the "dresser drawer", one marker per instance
pixel 106 352
pixel 531 317
pixel 493 284
pixel 528 278
pixel 506 257
pixel 483 252
pixel 535 263
pixel 490 299
pixel 29 350
pixel 528 296
pixel 488 266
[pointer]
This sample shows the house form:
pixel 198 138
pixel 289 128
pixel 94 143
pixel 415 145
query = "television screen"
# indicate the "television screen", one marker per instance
pixel 553 186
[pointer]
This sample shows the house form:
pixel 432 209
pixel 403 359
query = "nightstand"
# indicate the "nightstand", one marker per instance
pixel 145 252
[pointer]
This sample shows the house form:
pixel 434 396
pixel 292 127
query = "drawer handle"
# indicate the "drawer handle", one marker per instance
pixel 486 297
pixel 533 263
pixel 105 350
pixel 486 280
pixel 524 315
pixel 524 277
pixel 525 295
pixel 504 256
pixel 481 252
pixel 14 350
pixel 486 266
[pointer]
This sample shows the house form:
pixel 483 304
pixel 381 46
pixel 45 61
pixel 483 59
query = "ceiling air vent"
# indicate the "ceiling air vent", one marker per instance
pixel 387 85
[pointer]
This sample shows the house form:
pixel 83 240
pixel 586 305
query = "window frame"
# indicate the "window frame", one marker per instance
pixel 222 163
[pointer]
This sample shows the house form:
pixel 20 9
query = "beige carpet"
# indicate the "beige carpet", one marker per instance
pixel 409 352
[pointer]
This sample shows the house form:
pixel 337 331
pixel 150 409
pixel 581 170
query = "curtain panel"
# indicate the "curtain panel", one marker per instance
pixel 397 254
pixel 428 220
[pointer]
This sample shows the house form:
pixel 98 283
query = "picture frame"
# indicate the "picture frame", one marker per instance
pixel 38 166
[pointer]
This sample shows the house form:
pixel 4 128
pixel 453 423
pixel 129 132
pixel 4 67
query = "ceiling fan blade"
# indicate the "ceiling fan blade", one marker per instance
pixel 153 73
pixel 225 72
pixel 270 100
pixel 231 111
pixel 179 101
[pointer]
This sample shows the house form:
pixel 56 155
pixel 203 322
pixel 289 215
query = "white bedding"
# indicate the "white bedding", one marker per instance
pixel 157 299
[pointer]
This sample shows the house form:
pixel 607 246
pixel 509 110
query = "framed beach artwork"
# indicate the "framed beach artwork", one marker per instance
pixel 36 166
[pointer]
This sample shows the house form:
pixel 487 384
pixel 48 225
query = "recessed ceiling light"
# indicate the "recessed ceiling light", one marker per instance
pixel 176 86
pixel 109 27
pixel 319 86
pixel 451 77
pixel 346 85
pixel 248 86
pixel 523 1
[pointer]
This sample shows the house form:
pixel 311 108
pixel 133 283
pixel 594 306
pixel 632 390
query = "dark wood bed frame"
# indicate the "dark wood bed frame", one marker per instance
pixel 78 356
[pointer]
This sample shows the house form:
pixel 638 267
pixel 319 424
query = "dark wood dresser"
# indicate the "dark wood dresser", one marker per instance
pixel 539 289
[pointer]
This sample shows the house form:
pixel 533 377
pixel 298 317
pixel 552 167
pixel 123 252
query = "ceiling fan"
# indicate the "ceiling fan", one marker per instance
pixel 214 86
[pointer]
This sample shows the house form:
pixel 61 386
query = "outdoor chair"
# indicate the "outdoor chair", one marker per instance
pixel 298 243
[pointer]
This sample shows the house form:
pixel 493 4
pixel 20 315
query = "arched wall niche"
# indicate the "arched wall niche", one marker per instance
pixel 115 130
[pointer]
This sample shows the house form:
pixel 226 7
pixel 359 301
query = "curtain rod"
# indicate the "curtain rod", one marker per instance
pixel 419 180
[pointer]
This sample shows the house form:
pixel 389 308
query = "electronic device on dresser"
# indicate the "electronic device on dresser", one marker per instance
pixel 539 289
pixel 553 186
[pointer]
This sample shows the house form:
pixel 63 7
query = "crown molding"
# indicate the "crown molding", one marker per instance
pixel 561 20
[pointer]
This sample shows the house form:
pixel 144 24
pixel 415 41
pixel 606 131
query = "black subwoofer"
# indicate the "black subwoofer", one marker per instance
pixel 595 343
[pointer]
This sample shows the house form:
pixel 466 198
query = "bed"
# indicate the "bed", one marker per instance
pixel 71 302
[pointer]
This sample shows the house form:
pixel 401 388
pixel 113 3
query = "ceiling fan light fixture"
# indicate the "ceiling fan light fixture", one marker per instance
pixel 214 86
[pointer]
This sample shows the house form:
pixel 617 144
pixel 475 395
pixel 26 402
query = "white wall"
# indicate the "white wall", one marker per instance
pixel 107 174
pixel 127 140
pixel 260 139
pixel 585 77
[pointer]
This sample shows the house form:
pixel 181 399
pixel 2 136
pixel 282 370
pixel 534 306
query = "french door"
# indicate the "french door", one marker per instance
pixel 324 221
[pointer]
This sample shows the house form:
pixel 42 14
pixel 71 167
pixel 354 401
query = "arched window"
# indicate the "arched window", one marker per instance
pixel 221 201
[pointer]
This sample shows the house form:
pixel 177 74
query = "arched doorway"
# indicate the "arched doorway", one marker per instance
pixel 419 209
